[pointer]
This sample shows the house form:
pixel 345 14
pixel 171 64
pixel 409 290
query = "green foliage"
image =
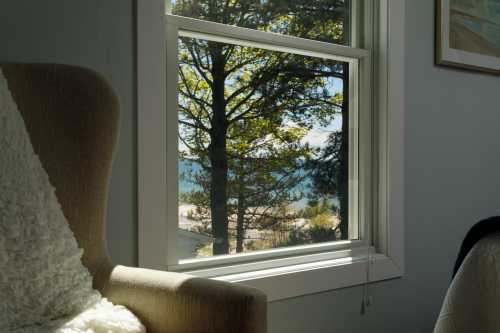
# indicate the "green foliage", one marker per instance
pixel 315 234
pixel 315 208
pixel 324 220
pixel 246 111
pixel 322 225
pixel 325 20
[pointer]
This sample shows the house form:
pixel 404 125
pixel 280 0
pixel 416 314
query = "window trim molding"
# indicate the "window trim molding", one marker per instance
pixel 389 237
pixel 388 260
pixel 151 133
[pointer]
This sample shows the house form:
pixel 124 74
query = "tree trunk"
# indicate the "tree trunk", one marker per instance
pixel 218 158
pixel 240 223
pixel 343 174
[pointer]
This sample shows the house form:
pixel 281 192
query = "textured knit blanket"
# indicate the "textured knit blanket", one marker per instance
pixel 44 287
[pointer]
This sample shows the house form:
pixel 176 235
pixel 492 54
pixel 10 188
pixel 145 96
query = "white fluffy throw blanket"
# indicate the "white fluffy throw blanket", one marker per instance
pixel 44 287
pixel 472 302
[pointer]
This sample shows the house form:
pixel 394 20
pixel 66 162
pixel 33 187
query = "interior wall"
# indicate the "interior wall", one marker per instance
pixel 451 174
pixel 99 35
pixel 452 160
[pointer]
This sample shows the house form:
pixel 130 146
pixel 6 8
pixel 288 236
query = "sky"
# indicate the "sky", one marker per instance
pixel 319 135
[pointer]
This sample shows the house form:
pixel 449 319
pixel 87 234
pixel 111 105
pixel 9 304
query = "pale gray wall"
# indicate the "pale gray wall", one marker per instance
pixel 452 179
pixel 452 156
pixel 96 34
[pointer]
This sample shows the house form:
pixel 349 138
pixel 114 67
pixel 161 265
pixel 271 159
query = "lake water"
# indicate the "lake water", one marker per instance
pixel 186 186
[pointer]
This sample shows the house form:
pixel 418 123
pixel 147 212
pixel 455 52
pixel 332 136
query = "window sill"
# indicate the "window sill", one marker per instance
pixel 310 278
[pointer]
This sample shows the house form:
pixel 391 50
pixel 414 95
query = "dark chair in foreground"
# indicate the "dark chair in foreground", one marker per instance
pixel 472 301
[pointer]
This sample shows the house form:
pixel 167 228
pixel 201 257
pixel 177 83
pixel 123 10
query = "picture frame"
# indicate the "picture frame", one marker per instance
pixel 468 34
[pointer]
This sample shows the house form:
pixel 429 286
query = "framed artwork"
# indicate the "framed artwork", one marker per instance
pixel 468 34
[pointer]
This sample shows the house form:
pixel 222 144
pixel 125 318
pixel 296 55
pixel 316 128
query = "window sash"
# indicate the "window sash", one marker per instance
pixel 233 267
pixel 293 253
pixel 262 39
pixel 359 60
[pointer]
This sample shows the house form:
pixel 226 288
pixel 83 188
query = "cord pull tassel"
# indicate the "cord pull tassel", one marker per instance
pixel 367 299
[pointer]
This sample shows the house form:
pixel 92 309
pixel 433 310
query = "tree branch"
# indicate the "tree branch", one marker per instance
pixel 199 67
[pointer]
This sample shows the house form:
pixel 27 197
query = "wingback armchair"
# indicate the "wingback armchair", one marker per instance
pixel 72 117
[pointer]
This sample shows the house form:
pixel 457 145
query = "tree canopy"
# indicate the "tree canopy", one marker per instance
pixel 244 113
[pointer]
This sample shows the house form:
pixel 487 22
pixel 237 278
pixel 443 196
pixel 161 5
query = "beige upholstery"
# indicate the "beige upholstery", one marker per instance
pixel 72 116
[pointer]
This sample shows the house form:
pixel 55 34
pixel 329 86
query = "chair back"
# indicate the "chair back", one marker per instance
pixel 71 115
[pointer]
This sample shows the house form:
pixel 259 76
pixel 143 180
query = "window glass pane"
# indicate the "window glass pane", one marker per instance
pixel 323 20
pixel 263 149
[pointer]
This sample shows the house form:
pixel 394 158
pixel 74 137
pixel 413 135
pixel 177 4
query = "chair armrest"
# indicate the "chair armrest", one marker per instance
pixel 169 302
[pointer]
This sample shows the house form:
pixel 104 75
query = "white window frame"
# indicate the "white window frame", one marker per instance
pixel 357 58
pixel 345 263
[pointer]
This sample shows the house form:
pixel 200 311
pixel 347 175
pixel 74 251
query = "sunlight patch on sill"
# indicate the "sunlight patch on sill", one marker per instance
pixel 240 277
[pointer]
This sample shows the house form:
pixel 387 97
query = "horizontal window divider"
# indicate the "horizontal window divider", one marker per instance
pixel 269 254
pixel 279 263
pixel 190 27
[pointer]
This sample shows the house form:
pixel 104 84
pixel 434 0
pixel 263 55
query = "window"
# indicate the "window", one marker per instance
pixel 267 129
pixel 272 152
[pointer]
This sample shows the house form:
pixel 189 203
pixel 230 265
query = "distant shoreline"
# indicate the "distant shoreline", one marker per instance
pixel 186 186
